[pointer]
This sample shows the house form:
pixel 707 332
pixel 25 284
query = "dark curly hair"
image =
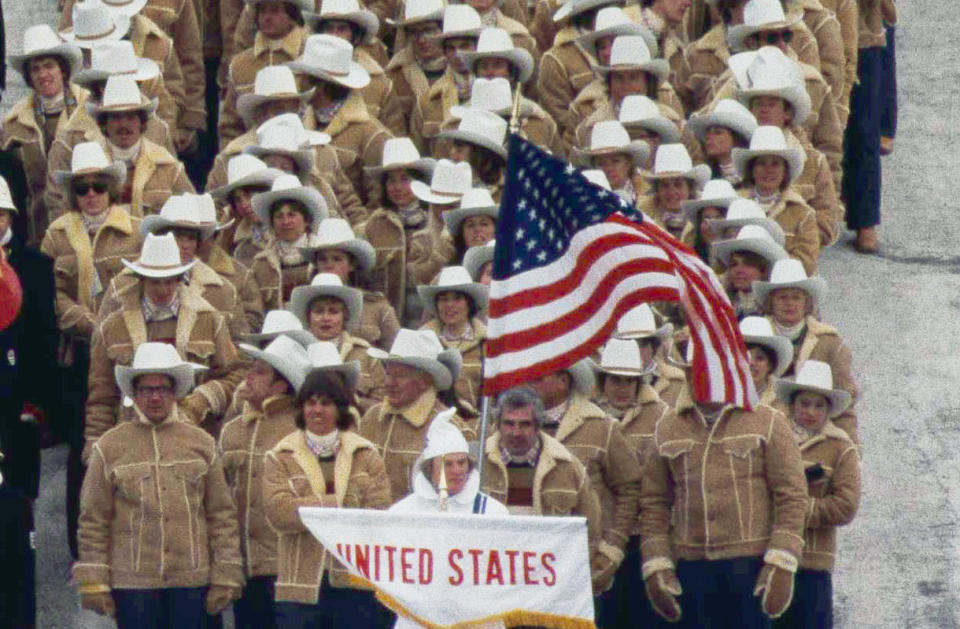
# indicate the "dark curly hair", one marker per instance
pixel 331 385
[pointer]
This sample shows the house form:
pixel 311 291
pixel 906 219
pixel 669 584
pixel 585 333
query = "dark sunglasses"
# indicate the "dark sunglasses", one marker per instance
pixel 773 37
pixel 81 189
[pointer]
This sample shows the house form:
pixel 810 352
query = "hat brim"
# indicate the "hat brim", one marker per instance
pixel 669 133
pixel 737 35
pixel 662 333
pixel 361 250
pixel 129 10
pixel 453 219
pixel 476 292
pixel 699 175
pixel 349 370
pixel 780 345
pixel 657 67
pixel 623 371
pixel 263 177
pixel 742 125
pixel 468 32
pixel 764 248
pixel 568 9
pixel 792 155
pixel 351 297
pixel 813 286
pixel 69 51
pixel 156 223
pixel 147 105
pixel 366 20
pixel 472 138
pixel 436 16
pixel 719 225
pixel 692 207
pixel 441 373
pixel 309 197
pixel 589 41
pixel 182 376
pixel 356 78
pixel 121 25
pixel 839 399
pixel 302 158
pixel 294 373
pixel 116 171
pixel 424 165
pixel 303 5
pixel 519 57
pixel 475 258
pixel 637 150
pixel 300 336
pixel 143 271
pixel 247 103
pixel 797 96
pixel 423 192
pixel 147 69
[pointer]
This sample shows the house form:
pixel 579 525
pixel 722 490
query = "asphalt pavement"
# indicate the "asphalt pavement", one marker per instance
pixel 898 561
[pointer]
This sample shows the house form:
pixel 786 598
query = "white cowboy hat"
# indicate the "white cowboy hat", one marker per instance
pixel 716 193
pixel 728 114
pixel 288 188
pixel 494 95
pixel 479 126
pixel 789 273
pixel 94 22
pixel 815 376
pixel 742 212
pixel 449 183
pixel 497 43
pixel 159 257
pixel 443 437
pixel 345 11
pixel 613 21
pixel 207 212
pixel 42 41
pixel 89 158
pixel 303 5
pixel 672 160
pixel 639 323
pixel 271 84
pixel 421 349
pixel 179 210
pixel 402 154
pixel 630 52
pixel 285 355
pixel 769 72
pixel 759 331
pixel 417 11
pixel 324 356
pixel 336 233
pixel 156 358
pixel 452 279
pixel 476 257
pixel 6 199
pixel 474 201
pixel 597 177
pixel 621 357
pixel 759 16
pixel 245 170
pixel 610 137
pixel 306 138
pixel 767 140
pixel 330 58
pixel 326 285
pixel 753 238
pixel 583 378
pixel 638 110
pixel 120 95
pixel 113 59
pixel 571 8
pixel 459 20
pixel 278 139
pixel 277 322
pixel 128 8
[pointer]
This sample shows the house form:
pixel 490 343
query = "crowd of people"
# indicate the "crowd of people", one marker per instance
pixel 310 329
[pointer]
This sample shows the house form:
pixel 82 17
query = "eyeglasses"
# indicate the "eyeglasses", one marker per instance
pixel 153 391
pixel 774 37
pixel 423 33
pixel 83 188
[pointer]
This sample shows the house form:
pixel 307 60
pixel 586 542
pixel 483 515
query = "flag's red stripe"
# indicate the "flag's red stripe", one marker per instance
pixel 546 293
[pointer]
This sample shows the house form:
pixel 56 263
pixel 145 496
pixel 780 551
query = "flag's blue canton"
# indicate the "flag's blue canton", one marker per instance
pixel 545 202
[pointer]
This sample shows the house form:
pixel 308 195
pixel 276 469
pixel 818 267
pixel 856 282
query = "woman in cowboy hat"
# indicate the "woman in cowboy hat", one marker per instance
pixel 479 140
pixel 338 251
pixel 673 180
pixel 322 463
pixel 643 120
pixel 47 65
pixel 338 109
pixel 478 261
pixel 726 126
pixel 639 325
pixel 612 151
pixel 474 223
pixel 247 236
pixel 832 465
pixel 457 307
pixel 624 394
pixel 770 355
pixel 291 211
pixel 391 227
pixel 328 309
pixel 768 169
pixel 791 301
pixel 716 197
pixel 745 259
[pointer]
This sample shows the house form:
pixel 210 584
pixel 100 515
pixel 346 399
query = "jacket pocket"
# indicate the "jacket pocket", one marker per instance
pixel 134 485
pixel 132 481
pixel 560 502
pixel 191 476
pixel 201 351
pixel 741 447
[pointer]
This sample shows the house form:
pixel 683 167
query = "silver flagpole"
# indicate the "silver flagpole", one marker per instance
pixel 484 410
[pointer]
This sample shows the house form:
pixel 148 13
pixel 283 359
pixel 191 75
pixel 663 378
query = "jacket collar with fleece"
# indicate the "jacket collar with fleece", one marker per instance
pixel 579 410
pixel 350 443
pixel 24 112
pixel 829 431
pixel 191 306
pixel 406 62
pixel 276 405
pixel 354 111
pixel 291 43
pixel 417 413
pixel 552 452
pixel 72 223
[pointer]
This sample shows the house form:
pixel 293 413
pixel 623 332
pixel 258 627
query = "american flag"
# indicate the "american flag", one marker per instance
pixel 571 258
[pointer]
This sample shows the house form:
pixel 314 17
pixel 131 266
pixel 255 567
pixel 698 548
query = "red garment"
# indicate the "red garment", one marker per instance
pixel 11 294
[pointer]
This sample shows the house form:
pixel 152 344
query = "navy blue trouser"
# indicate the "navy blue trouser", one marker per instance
pixel 719 594
pixel 165 608
pixel 861 144
pixel 812 606
pixel 345 608
pixel 254 610
pixel 625 605
pixel 888 90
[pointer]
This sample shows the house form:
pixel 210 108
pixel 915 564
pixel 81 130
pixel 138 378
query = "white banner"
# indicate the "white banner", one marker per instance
pixel 444 570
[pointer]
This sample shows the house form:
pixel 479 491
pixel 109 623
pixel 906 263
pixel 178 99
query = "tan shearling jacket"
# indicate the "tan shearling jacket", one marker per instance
pixel 378 95
pixel 243 446
pixel 151 42
pixel 84 267
pixel 733 488
pixel 269 275
pixel 391 276
pixel 293 478
pixel 799 223
pixel 825 28
pixel 848 16
pixel 430 111
pixel 816 186
pixel 834 498
pixel 157 175
pixel 410 82
pixel 564 70
pixel 156 511
pixel 378 321
pixel 372 382
pixel 399 435
pixel 248 293
pixel 596 95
